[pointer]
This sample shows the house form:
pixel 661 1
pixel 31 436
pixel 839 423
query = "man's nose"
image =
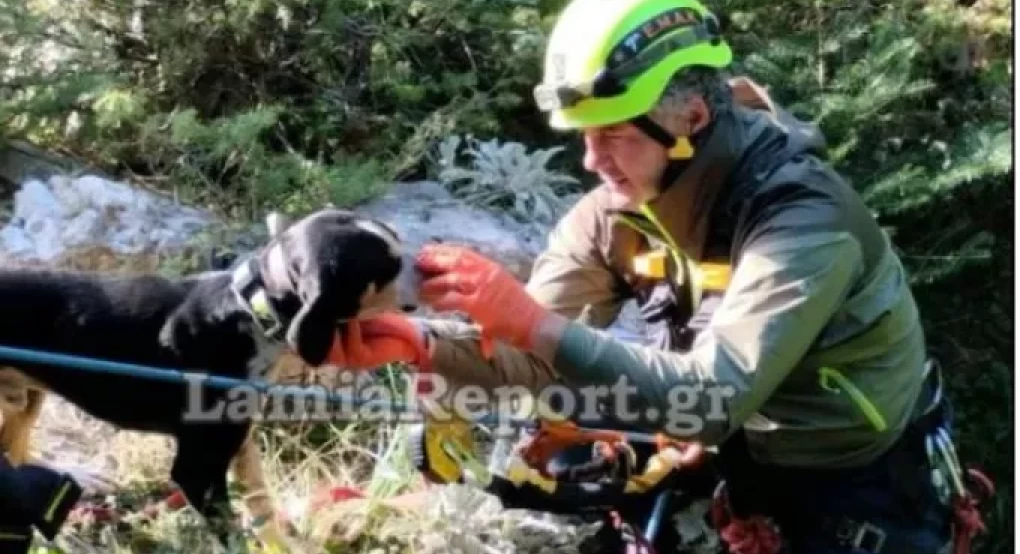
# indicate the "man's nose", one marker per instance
pixel 594 154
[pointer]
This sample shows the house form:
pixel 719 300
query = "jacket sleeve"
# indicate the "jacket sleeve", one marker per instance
pixel 571 277
pixel 796 267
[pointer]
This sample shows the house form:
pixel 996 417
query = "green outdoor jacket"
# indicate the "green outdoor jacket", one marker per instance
pixel 816 340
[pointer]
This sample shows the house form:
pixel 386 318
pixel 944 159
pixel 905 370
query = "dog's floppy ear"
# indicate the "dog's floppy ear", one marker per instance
pixel 314 327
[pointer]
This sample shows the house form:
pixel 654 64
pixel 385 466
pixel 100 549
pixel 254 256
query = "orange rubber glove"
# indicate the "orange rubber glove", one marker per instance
pixel 459 279
pixel 379 340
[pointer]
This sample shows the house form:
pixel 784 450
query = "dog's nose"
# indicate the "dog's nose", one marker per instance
pixel 407 284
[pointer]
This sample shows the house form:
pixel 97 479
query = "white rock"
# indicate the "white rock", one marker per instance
pixel 44 234
pixel 87 223
pixel 15 241
pixel 425 211
pixel 38 199
pixel 60 213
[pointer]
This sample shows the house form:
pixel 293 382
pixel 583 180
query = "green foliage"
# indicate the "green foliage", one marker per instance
pixel 914 103
pixel 275 103
pixel 506 177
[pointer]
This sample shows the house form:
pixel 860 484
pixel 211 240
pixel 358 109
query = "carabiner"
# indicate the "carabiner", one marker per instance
pixel 938 477
pixel 945 445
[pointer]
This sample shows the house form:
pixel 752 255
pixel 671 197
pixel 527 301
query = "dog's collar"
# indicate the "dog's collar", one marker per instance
pixel 247 284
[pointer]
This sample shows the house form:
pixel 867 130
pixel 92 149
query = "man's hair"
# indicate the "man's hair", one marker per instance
pixel 708 83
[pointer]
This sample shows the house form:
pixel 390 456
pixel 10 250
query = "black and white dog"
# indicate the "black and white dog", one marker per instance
pixel 287 297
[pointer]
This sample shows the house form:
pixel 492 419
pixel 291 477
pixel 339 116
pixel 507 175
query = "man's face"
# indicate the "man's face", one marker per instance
pixel 626 159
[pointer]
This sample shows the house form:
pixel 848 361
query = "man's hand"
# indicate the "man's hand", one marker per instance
pixel 459 279
pixel 373 342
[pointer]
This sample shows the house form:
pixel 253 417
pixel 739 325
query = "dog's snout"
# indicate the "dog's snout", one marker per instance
pixel 408 284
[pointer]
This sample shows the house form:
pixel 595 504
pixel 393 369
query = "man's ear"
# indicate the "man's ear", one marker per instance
pixel 314 328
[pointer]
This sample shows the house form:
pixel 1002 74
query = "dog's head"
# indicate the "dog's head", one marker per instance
pixel 334 265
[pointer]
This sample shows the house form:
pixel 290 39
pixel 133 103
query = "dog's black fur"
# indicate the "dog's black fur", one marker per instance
pixel 195 323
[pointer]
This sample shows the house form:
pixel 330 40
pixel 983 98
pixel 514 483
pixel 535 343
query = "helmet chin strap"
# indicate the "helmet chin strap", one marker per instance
pixel 680 150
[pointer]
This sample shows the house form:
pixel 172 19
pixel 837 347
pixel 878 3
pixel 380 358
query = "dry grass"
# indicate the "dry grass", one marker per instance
pixel 300 460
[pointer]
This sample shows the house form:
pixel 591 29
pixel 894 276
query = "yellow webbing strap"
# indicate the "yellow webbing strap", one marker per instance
pixel 651 264
pixel 714 276
pixel 704 276
pixel 466 460
pixel 446 442
pixel 659 465
pixel 518 472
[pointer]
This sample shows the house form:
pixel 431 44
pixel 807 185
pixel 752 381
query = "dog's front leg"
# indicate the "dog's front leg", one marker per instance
pixel 248 471
pixel 200 470
pixel 268 525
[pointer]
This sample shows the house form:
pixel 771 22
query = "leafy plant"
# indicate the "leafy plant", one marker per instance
pixel 505 176
pixel 240 104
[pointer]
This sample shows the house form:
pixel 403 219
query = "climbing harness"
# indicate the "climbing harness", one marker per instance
pixel 948 477
pixel 759 534
pixel 444 452
pixel 754 534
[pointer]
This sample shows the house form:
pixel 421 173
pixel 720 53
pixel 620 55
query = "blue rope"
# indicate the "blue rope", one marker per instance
pixel 13 355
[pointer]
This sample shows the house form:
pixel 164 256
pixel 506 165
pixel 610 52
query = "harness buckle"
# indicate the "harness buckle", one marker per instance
pixel 866 530
pixel 247 286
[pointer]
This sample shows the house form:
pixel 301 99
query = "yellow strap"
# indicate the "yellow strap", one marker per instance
pixel 706 276
pixel 656 469
pixel 442 438
pixel 651 264
pixel 678 253
pixel 714 276
pixel 519 473
pixel 466 460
